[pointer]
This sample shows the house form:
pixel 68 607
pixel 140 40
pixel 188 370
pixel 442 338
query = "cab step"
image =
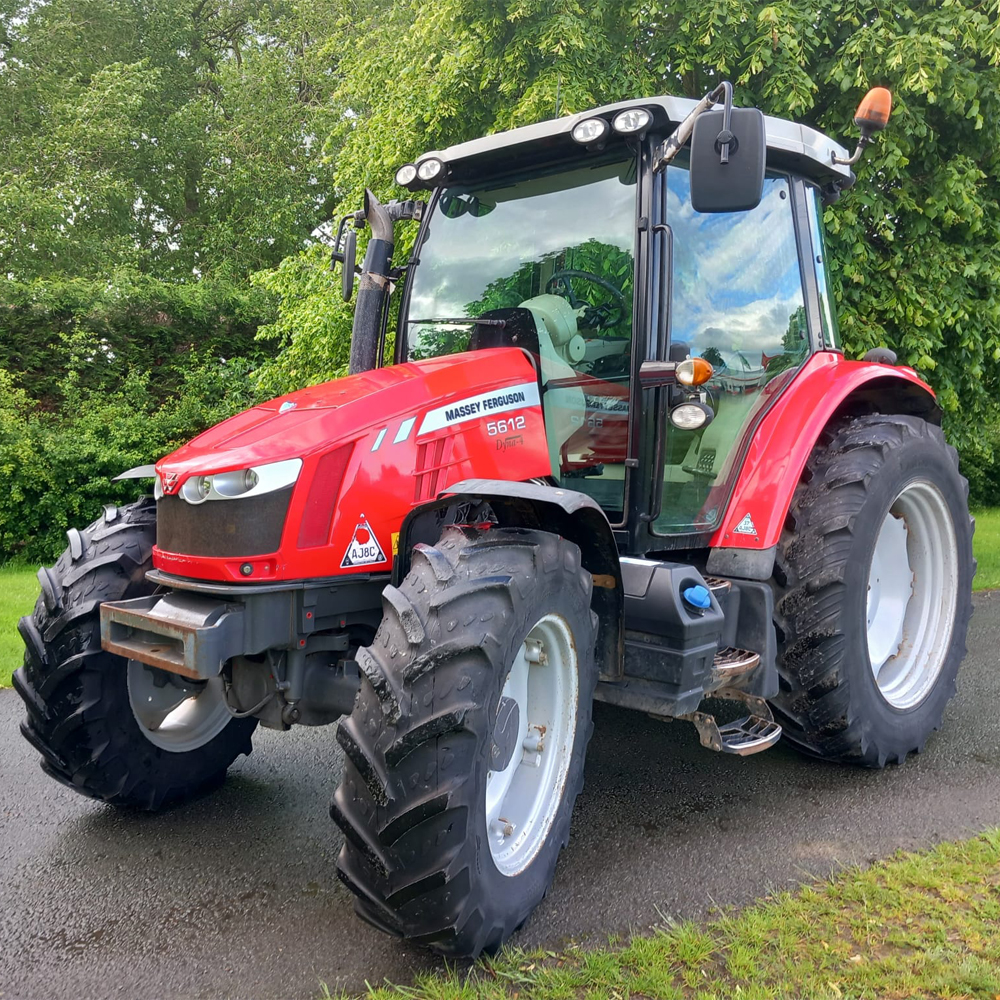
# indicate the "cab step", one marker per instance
pixel 748 735
pixel 731 662
pixel 745 736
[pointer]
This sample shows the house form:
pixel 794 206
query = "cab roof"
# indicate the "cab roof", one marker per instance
pixel 791 146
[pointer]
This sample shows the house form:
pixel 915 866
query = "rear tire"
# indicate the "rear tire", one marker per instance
pixel 80 714
pixel 479 613
pixel 873 591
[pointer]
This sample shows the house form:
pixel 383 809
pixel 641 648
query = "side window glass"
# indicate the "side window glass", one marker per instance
pixel 736 301
pixel 828 308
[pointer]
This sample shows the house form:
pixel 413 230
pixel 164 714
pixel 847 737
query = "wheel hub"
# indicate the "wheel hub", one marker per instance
pixel 532 745
pixel 174 713
pixel 912 595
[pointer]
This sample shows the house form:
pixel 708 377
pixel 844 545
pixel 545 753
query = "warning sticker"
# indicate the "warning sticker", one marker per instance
pixel 394 542
pixel 746 526
pixel 364 549
pixel 514 397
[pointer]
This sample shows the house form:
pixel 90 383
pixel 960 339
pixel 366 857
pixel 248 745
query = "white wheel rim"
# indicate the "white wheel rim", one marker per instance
pixel 522 800
pixel 174 713
pixel 912 595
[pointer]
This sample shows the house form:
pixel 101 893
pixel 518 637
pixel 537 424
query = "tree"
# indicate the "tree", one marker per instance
pixel 152 156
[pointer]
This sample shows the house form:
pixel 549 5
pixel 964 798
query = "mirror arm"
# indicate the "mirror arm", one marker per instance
pixel 337 254
pixel 725 137
pixel 674 143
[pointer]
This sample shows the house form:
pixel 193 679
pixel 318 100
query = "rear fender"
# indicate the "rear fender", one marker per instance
pixel 826 388
pixel 572 515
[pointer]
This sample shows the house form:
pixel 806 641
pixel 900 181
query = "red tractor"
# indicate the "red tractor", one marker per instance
pixel 620 456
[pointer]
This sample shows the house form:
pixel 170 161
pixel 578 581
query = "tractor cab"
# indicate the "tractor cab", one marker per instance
pixel 578 241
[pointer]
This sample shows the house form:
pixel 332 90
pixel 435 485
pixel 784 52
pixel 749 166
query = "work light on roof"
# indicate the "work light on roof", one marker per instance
pixel 590 130
pixel 633 120
pixel 406 175
pixel 430 169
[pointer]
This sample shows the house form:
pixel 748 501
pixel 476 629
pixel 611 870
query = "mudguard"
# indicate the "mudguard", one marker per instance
pixel 776 450
pixel 568 513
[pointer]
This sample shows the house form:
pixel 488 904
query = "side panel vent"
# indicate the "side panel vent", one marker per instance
pixel 430 475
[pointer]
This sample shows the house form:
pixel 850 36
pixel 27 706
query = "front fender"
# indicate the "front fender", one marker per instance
pixel 782 440
pixel 568 513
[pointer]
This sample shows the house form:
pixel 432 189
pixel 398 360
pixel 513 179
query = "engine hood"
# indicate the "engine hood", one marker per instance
pixel 371 446
pixel 313 419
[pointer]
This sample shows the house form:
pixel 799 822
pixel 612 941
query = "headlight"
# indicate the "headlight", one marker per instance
pixel 197 489
pixel 235 484
pixel 406 175
pixel 589 130
pixel 241 482
pixel 633 120
pixel 691 416
pixel 431 169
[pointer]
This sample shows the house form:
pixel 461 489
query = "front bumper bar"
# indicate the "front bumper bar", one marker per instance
pixel 194 628
pixel 187 634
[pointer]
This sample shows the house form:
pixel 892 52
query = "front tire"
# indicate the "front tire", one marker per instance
pixel 465 748
pixel 873 581
pixel 105 726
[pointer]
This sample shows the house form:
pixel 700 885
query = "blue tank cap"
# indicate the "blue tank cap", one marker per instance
pixel 698 597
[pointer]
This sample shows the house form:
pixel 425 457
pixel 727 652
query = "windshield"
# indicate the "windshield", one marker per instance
pixel 494 247
pixel 559 249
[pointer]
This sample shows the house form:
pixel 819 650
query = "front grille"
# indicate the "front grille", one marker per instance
pixel 250 526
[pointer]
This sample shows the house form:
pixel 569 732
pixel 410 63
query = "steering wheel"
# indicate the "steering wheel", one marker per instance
pixel 596 317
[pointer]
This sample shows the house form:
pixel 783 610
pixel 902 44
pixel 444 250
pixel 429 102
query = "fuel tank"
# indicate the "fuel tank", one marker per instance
pixel 371 446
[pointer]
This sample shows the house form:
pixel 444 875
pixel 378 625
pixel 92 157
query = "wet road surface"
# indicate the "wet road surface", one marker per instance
pixel 235 894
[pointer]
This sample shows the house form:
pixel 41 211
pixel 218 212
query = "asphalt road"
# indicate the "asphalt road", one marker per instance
pixel 235 895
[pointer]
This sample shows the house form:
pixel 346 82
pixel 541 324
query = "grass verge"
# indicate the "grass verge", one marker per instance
pixel 18 590
pixel 917 925
pixel 986 544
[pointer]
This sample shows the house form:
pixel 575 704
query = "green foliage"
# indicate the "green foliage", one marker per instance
pixel 313 327
pixel 101 332
pixel 174 137
pixel 152 156
pixel 57 469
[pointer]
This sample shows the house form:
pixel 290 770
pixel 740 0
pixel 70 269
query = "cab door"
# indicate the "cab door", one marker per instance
pixel 736 294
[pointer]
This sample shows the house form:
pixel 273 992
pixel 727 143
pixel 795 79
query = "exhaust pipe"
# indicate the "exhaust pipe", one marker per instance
pixel 373 288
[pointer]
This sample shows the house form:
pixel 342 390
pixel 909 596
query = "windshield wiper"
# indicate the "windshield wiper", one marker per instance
pixel 462 321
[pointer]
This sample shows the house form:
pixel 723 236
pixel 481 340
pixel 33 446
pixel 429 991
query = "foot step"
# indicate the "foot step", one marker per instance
pixel 745 736
pixel 730 662
pixel 748 735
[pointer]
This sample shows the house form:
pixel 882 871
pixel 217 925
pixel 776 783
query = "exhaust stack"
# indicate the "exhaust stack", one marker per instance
pixel 373 288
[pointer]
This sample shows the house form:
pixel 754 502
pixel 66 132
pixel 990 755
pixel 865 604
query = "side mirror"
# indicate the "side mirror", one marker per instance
pixel 727 163
pixel 350 260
